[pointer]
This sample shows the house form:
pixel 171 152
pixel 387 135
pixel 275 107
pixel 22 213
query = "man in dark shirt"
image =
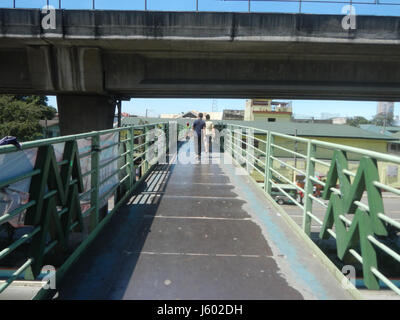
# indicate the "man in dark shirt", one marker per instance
pixel 198 126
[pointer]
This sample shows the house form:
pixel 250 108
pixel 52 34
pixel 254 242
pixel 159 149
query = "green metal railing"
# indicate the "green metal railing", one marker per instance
pixel 69 199
pixel 352 199
pixel 64 199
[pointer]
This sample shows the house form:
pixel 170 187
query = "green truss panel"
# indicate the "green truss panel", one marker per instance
pixel 56 185
pixel 364 223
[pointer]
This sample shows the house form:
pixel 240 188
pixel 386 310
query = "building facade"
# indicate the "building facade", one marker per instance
pixel 386 108
pixel 268 110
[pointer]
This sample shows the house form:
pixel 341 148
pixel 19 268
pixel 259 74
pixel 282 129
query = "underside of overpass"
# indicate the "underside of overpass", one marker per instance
pixel 200 54
pixel 92 58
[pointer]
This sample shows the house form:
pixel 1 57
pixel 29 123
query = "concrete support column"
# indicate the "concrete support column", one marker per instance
pixel 85 113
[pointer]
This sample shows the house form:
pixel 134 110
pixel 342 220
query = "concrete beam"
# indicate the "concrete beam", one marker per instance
pixel 123 71
pixel 40 67
pixel 220 26
pixel 206 54
pixel 79 69
pixel 79 114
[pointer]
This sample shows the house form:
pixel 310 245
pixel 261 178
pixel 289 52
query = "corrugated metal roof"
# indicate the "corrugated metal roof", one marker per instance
pixel 289 128
pixel 313 129
pixel 393 128
pixel 376 129
pixel 134 121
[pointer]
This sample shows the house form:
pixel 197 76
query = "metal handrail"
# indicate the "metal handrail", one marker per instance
pixel 57 200
pixel 363 213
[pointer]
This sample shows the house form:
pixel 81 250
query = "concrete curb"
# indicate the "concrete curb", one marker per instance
pixel 21 290
pixel 351 290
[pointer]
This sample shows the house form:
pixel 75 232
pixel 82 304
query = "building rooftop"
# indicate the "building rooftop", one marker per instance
pixel 289 128
pixel 134 121
pixel 191 115
pixel 376 129
pixel 170 115
pixel 396 135
pixel 314 129
pixel 228 114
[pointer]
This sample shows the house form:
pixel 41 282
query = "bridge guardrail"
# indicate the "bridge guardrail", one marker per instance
pixel 292 6
pixel 56 200
pixel 351 194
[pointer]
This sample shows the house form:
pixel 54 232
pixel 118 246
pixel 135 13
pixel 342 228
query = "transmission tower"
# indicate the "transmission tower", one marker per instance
pixel 214 106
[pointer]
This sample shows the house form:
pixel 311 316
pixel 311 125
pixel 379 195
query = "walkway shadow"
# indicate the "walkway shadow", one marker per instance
pixel 142 210
pixel 106 269
pixel 94 274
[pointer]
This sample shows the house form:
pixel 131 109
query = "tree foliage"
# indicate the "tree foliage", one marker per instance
pixel 357 121
pixel 382 119
pixel 20 115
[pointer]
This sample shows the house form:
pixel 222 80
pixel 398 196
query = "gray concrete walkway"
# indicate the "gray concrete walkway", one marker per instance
pixel 198 231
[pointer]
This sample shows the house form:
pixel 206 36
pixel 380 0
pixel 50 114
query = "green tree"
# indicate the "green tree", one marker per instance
pixel 20 115
pixel 382 119
pixel 356 121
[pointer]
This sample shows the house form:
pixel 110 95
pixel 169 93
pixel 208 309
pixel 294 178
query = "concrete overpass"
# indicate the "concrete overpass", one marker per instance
pixel 106 54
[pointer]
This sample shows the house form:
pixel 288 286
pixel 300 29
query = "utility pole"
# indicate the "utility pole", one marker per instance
pixel 385 122
pixel 147 111
pixel 214 107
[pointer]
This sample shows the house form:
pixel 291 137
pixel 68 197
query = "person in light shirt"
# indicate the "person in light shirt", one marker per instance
pixel 209 134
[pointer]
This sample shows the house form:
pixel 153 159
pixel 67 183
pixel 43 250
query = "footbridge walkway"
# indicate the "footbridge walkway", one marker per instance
pixel 131 213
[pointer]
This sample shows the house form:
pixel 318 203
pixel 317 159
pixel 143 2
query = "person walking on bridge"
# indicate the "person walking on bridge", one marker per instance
pixel 209 134
pixel 198 126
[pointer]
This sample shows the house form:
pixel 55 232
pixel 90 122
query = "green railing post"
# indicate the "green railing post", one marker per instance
pixel 143 156
pixel 177 133
pixel 235 145
pixel 94 181
pixel 232 141
pixel 132 169
pixel 308 188
pixel 166 141
pixel 250 154
pixel 244 149
pixel 268 162
pixel 60 206
pixel 146 149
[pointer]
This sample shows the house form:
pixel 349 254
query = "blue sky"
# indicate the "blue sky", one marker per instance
pixel 157 106
pixel 214 5
pixel 311 108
